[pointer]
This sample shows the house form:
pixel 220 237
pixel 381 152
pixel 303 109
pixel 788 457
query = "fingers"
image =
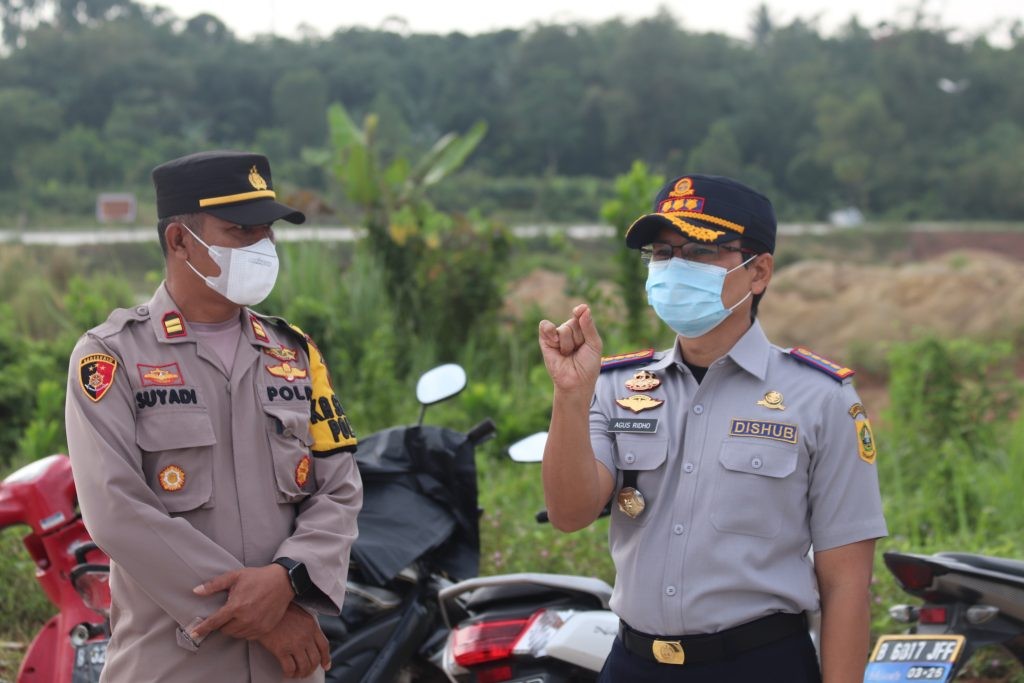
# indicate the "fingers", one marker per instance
pixel 212 623
pixel 589 329
pixel 289 665
pixel 217 584
pixel 323 648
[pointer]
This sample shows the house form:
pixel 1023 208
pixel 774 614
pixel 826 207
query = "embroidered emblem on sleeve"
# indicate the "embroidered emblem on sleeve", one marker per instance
pixel 328 423
pixel 96 374
pixel 172 478
pixel 866 441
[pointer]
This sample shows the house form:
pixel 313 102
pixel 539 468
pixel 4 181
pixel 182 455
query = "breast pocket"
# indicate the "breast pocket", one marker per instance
pixel 177 457
pixel 290 441
pixel 752 486
pixel 644 454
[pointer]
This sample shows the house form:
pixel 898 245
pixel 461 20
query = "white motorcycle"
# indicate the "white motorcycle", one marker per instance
pixel 527 628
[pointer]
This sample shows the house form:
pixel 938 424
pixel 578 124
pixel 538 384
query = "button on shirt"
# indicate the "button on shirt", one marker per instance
pixel 735 492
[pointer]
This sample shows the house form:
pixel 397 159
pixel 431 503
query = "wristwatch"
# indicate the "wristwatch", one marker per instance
pixel 298 575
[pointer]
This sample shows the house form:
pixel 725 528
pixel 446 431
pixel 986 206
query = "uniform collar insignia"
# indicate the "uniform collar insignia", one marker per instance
pixel 257 329
pixel 174 325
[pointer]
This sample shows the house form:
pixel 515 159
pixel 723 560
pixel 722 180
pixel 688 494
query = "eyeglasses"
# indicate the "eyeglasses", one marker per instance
pixel 688 251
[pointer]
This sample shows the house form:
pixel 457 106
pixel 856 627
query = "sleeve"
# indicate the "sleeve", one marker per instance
pixel 844 498
pixel 601 441
pixel 165 556
pixel 325 527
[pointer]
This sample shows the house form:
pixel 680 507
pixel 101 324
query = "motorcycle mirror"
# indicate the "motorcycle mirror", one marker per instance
pixel 439 384
pixel 530 449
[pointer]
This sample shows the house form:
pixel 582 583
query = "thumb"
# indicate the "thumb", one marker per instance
pixel 217 584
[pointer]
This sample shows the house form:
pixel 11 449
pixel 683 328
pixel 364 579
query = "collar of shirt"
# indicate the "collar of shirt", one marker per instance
pixel 750 353
pixel 170 327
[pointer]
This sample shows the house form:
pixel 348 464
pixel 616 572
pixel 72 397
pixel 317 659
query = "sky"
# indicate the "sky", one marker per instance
pixel 247 18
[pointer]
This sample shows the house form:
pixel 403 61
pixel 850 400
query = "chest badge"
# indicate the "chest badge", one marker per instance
pixel 282 353
pixel 644 380
pixel 302 471
pixel 287 372
pixel 160 375
pixel 631 501
pixel 772 400
pixel 172 478
pixel 639 402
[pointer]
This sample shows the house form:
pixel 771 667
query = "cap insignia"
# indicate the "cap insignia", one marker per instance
pixel 287 372
pixel 639 402
pixel 159 375
pixel 256 180
pixel 689 204
pixel 683 188
pixel 172 478
pixel 772 400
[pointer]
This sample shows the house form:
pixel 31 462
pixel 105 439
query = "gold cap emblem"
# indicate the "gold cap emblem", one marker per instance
pixel 643 381
pixel 639 402
pixel 683 188
pixel 256 180
pixel 772 400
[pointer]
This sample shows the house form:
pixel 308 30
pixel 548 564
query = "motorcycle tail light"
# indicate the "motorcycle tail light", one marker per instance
pixel 932 615
pixel 93 583
pixel 905 614
pixel 911 573
pixel 495 674
pixel 486 641
pixel 538 632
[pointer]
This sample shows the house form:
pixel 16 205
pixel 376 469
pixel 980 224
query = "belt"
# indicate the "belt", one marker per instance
pixel 712 647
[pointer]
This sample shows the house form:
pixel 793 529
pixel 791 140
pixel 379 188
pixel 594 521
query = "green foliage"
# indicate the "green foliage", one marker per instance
pixel 633 194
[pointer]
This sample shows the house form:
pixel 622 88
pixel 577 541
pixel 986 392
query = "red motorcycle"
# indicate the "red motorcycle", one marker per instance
pixel 71 646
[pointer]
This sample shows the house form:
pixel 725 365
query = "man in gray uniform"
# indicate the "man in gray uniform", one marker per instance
pixel 212 459
pixel 725 458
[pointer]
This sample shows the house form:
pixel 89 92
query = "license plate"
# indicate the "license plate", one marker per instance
pixel 913 658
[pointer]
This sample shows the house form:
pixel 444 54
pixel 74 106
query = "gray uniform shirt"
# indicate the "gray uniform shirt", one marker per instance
pixel 184 472
pixel 738 485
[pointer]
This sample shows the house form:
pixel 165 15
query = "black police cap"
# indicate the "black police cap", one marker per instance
pixel 709 209
pixel 233 186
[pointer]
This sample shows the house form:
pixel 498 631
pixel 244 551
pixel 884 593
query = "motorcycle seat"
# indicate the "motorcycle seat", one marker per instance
pixel 994 564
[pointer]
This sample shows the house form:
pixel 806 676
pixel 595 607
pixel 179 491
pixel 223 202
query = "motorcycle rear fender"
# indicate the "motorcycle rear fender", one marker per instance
pixel 585 640
pixel 517 587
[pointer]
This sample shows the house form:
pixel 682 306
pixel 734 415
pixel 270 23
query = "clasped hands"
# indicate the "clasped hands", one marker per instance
pixel 259 607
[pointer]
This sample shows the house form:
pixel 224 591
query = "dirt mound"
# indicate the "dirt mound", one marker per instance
pixel 846 309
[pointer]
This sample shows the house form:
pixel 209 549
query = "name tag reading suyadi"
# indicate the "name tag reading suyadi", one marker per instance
pixel 764 429
pixel 631 426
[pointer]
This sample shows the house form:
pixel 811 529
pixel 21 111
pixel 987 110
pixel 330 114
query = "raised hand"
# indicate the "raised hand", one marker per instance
pixel 572 352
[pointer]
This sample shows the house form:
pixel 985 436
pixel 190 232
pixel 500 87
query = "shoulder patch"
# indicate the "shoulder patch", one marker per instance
pixel 332 432
pixel 626 359
pixel 820 363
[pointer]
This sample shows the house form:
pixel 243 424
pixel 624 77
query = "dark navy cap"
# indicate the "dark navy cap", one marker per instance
pixel 710 209
pixel 233 186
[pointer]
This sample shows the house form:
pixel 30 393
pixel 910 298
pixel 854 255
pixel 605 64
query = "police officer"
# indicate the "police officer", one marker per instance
pixel 212 459
pixel 725 459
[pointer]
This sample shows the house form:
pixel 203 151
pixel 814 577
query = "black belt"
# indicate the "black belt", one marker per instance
pixel 712 647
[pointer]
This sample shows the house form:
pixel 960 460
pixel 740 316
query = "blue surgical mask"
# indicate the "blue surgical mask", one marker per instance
pixel 687 296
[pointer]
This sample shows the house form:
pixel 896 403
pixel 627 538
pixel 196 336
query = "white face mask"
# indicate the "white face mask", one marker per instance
pixel 247 275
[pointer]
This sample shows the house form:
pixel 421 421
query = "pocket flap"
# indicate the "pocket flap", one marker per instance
pixel 763 458
pixel 292 420
pixel 172 429
pixel 640 451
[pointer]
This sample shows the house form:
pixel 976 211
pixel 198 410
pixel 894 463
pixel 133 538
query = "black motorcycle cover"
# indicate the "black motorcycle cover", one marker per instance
pixel 419 501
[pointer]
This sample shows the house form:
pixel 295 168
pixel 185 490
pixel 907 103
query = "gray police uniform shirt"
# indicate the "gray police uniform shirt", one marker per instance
pixel 184 472
pixel 739 482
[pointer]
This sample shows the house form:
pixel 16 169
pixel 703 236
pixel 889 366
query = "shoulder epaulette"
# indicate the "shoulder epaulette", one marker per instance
pixel 117 319
pixel 820 363
pixel 624 359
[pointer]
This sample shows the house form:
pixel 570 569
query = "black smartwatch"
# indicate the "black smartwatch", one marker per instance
pixel 298 575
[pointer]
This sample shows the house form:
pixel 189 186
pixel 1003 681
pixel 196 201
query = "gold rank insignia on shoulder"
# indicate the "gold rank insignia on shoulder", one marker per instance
pixel 772 400
pixel 644 380
pixel 287 372
pixel 639 402
pixel 172 478
pixel 282 353
pixel 631 501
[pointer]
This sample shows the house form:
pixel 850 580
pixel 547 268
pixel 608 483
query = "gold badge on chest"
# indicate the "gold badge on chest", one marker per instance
pixel 639 402
pixel 643 381
pixel 631 501
pixel 772 400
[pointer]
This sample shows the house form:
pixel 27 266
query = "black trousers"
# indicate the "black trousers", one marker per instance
pixel 790 660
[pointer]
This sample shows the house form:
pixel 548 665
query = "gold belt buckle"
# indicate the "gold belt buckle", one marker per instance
pixel 668 651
